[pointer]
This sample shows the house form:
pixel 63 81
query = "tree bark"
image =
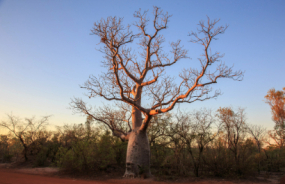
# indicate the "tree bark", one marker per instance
pixel 138 151
pixel 138 155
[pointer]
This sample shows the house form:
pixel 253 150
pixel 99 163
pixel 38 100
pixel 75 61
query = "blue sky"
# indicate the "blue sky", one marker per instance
pixel 47 51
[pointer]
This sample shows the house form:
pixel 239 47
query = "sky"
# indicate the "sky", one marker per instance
pixel 47 52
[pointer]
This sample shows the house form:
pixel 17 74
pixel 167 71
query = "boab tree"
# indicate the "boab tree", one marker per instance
pixel 139 80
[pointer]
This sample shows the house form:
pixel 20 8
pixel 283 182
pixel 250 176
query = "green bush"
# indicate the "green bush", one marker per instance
pixel 77 158
pixel 91 154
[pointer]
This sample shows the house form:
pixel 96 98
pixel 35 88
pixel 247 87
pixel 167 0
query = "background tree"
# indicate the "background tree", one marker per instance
pixel 258 133
pixel 88 122
pixel 27 131
pixel 157 127
pixel 233 124
pixel 203 121
pixel 276 100
pixel 139 80
pixel 177 132
pixel 195 132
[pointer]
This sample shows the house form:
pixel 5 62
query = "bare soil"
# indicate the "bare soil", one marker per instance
pixel 12 175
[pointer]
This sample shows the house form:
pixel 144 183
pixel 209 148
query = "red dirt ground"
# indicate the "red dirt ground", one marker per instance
pixel 44 176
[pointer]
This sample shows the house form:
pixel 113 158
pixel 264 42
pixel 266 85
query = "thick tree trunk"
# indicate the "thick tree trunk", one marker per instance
pixel 138 151
pixel 138 155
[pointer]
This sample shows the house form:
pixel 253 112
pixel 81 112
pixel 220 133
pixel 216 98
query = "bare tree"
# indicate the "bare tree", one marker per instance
pixel 233 123
pixel 195 131
pixel 139 80
pixel 258 133
pixel 157 127
pixel 26 132
pixel 179 133
pixel 203 121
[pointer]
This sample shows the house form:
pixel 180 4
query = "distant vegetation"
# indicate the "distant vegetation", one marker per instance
pixel 220 144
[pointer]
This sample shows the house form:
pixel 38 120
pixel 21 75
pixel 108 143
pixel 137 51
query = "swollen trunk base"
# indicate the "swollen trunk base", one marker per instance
pixel 138 156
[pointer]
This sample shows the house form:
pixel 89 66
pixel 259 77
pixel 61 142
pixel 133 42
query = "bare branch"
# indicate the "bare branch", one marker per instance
pixel 130 77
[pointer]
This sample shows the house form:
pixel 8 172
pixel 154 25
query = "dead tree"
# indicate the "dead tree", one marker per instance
pixel 139 80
